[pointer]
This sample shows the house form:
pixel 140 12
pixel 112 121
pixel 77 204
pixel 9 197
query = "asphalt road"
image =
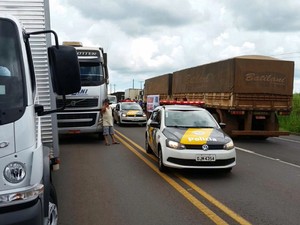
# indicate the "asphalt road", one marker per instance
pixel 120 184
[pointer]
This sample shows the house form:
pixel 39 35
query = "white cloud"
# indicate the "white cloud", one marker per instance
pixel 149 38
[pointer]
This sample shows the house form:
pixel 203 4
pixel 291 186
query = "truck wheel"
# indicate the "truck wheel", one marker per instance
pixel 53 207
pixel 100 136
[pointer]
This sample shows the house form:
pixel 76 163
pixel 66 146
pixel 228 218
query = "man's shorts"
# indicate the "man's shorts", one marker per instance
pixel 108 130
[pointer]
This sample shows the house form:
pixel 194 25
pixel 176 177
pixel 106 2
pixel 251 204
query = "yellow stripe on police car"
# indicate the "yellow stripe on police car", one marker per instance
pixel 132 112
pixel 197 136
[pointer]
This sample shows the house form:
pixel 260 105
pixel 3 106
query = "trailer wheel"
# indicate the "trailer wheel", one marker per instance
pixel 53 207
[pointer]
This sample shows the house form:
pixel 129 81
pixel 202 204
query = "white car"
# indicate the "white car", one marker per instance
pixel 129 112
pixel 183 136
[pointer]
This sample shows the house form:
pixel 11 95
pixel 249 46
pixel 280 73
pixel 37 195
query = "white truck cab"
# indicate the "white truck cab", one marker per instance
pixel 27 195
pixel 82 112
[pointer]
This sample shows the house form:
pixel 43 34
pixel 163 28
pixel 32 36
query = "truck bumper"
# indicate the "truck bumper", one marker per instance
pixel 80 130
pixel 29 213
pixel 259 133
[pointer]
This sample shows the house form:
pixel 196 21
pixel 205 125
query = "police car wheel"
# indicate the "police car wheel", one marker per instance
pixel 119 122
pixel 161 165
pixel 147 146
pixel 227 170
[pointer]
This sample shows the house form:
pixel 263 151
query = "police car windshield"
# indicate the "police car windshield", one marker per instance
pixel 190 118
pixel 131 106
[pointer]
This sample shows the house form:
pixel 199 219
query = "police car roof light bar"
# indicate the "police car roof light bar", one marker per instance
pixel 174 102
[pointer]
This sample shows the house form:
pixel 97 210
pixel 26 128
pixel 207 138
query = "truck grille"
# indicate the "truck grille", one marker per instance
pixel 78 103
pixel 76 120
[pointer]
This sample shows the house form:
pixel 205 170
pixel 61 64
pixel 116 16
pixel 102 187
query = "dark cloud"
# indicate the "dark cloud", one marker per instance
pixel 272 16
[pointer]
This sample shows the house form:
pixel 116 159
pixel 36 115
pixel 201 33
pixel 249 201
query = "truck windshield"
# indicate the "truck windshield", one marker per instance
pixel 91 74
pixel 12 97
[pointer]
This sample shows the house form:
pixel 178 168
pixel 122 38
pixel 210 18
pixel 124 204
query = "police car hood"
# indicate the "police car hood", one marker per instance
pixel 132 112
pixel 197 136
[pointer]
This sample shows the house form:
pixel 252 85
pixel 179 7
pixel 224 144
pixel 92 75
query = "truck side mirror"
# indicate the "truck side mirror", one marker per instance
pixel 64 69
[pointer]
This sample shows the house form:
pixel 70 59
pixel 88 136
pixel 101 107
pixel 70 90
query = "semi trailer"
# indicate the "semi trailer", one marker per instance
pixel 246 92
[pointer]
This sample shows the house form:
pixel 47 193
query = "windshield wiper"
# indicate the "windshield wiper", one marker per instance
pixel 178 126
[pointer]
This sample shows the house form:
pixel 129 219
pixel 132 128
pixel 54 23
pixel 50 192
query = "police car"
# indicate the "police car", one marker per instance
pixel 184 136
pixel 129 112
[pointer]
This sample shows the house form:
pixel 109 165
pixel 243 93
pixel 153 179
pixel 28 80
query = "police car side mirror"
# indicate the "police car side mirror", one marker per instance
pixel 154 124
pixel 222 125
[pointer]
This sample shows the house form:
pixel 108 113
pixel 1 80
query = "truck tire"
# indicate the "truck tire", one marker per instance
pixel 53 207
pixel 100 136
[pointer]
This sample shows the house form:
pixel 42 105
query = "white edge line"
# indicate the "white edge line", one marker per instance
pixel 267 157
pixel 285 139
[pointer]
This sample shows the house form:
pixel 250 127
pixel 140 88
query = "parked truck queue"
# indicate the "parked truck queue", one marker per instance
pixel 246 92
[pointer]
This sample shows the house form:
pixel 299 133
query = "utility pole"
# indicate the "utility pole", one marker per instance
pixel 141 82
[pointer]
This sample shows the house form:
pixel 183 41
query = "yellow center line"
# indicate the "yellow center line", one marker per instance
pixel 214 201
pixel 204 209
pixel 200 191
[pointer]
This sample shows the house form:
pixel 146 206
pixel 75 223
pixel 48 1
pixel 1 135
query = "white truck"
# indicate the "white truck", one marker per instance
pixel 28 151
pixel 82 112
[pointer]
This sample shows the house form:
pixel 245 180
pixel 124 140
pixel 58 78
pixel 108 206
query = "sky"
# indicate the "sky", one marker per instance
pixel 145 38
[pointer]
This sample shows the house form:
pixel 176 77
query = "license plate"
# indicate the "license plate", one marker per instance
pixel 206 158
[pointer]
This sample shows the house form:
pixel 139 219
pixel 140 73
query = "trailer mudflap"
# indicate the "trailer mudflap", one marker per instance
pixel 261 133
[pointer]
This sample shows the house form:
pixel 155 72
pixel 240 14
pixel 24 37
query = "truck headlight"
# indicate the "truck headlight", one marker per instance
pixel 24 196
pixel 174 144
pixel 14 172
pixel 229 145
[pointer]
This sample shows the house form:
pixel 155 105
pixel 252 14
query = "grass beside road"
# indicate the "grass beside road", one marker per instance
pixel 292 122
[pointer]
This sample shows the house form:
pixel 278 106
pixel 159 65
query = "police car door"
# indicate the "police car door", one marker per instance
pixel 156 131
